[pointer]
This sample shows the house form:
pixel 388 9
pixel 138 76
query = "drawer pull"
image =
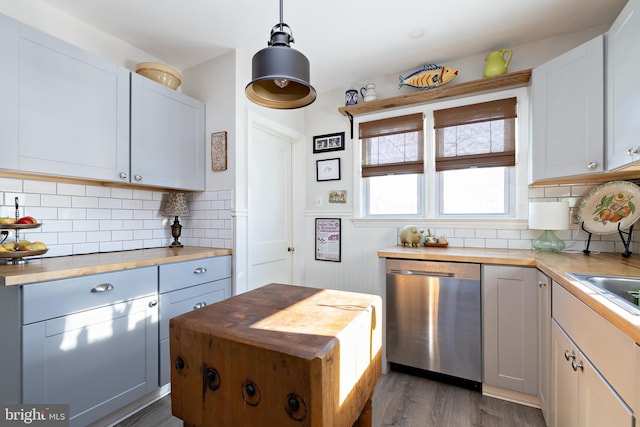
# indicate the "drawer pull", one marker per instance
pixel 103 287
pixel 199 270
pixel 199 305
pixel 577 365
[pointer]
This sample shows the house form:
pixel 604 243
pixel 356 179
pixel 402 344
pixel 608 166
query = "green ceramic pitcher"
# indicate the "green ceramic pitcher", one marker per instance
pixel 496 64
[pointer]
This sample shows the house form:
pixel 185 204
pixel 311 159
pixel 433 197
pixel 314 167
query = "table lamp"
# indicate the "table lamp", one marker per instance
pixel 548 216
pixel 176 206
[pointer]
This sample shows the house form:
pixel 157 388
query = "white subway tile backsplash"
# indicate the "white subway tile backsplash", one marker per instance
pixel 121 193
pixel 96 191
pixel 84 202
pixel 71 189
pixel 99 213
pixel 41 187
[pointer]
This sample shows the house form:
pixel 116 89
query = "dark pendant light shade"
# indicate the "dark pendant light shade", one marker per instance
pixel 280 74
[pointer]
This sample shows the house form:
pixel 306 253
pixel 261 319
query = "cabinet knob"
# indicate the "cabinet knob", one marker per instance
pixel 577 365
pixel 123 175
pixel 570 356
pixel 631 151
pixel 153 303
pixel 138 178
pixel 541 284
pixel 592 165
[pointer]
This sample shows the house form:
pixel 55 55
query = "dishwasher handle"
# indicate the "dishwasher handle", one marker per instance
pixel 421 273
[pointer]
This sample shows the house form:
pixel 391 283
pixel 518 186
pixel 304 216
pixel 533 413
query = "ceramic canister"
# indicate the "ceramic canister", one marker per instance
pixel 351 97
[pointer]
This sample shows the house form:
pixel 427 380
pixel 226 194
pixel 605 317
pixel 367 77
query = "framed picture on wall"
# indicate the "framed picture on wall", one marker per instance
pixel 330 142
pixel 328 239
pixel 328 170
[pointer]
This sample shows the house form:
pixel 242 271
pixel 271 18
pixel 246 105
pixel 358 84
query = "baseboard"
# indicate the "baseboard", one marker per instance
pixel 511 396
pixel 135 406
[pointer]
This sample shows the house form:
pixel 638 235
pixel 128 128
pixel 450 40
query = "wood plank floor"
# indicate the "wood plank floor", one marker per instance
pixel 402 400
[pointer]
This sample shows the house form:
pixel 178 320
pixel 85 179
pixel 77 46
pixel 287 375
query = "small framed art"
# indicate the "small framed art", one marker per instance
pixel 219 151
pixel 328 170
pixel 330 142
pixel 328 239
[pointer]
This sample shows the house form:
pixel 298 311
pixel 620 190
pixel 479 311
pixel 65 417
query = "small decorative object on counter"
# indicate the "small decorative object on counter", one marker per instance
pixel 430 238
pixel 351 97
pixel 368 92
pixel 14 252
pixel 410 236
pixel 176 206
pixel 429 76
pixel 496 64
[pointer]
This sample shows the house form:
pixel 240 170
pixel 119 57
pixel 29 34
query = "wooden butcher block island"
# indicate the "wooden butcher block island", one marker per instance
pixel 279 355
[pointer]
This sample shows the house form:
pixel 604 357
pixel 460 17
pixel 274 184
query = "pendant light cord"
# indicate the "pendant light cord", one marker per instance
pixel 281 18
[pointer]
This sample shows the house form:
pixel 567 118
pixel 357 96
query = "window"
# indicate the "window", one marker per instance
pixel 464 168
pixel 392 162
pixel 475 150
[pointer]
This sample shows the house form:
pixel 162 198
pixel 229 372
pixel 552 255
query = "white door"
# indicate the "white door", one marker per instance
pixel 269 208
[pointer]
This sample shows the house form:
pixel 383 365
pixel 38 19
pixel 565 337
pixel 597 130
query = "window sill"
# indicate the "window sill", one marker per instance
pixel 440 223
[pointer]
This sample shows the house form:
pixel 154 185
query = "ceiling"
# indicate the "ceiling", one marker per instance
pixel 346 41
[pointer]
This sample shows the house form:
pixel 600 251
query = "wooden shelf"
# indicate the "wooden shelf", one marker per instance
pixel 518 78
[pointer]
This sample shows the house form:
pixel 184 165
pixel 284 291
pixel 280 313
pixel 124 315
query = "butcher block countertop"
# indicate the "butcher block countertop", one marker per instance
pixel 44 269
pixel 555 265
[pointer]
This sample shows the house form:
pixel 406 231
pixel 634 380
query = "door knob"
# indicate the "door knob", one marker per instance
pixel 291 249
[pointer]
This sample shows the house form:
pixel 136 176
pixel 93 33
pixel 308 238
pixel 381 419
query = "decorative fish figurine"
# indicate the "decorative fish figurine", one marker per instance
pixel 429 76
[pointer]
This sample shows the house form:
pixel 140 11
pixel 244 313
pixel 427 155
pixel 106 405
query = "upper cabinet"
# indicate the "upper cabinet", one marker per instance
pixel 66 112
pixel 167 136
pixel 623 90
pixel 568 113
pixel 71 108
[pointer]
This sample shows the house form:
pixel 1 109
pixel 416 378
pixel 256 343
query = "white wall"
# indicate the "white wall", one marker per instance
pixel 50 20
pixel 360 269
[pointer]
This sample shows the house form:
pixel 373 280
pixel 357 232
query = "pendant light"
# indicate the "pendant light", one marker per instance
pixel 280 74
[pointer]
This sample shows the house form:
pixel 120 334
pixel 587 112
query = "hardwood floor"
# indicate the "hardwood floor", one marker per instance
pixel 402 400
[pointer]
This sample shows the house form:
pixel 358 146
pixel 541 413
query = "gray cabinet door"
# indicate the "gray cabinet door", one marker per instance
pixel 623 91
pixel 97 361
pixel 9 30
pixel 73 111
pixel 167 137
pixel 510 328
pixel 568 113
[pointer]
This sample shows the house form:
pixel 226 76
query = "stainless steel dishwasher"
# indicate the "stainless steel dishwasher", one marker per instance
pixel 434 319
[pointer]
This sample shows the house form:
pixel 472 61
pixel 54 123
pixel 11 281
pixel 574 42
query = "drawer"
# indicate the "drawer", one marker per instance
pixel 55 298
pixel 184 300
pixel 189 273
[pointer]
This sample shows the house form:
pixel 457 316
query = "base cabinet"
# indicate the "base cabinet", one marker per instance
pixel 544 342
pixel 90 342
pixel 510 328
pixel 582 397
pixel 593 369
pixel 188 286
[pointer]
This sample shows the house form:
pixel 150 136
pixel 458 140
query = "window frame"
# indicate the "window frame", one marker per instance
pixel 517 193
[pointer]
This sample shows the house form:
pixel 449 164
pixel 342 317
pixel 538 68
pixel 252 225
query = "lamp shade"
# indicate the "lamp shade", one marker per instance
pixel 549 216
pixel 279 73
pixel 176 205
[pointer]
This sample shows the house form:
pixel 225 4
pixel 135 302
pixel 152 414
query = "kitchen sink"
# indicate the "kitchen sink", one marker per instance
pixel 619 289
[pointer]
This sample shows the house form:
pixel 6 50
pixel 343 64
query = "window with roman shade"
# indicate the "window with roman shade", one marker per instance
pixel 478 135
pixel 393 146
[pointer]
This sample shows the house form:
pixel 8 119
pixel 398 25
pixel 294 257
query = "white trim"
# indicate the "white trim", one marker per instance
pixel 475 223
pixel 520 207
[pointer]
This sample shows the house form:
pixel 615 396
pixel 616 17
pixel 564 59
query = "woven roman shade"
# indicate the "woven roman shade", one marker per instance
pixel 393 146
pixel 478 135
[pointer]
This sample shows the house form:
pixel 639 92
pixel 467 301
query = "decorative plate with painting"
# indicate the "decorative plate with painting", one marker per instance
pixel 609 207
